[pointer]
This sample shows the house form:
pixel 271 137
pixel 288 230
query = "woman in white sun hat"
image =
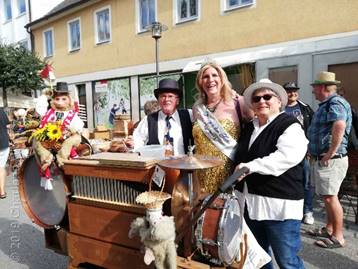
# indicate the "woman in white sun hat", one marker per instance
pixel 272 147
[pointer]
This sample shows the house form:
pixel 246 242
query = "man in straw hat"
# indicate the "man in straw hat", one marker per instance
pixel 169 125
pixel 272 147
pixel 328 136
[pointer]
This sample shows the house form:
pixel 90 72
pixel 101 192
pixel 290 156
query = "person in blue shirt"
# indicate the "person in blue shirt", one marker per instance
pixel 112 113
pixel 328 135
pixel 303 113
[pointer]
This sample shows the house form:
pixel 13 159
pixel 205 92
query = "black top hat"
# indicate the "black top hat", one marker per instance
pixel 290 86
pixel 61 88
pixel 168 85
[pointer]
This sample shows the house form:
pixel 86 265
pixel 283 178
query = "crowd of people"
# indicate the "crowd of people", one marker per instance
pixel 286 147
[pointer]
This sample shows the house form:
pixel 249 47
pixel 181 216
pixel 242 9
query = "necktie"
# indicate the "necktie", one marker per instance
pixel 168 140
pixel 59 115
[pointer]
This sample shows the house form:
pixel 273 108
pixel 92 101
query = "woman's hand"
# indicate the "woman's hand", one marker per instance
pixel 238 167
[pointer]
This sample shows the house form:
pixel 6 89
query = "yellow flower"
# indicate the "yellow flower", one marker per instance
pixel 39 134
pixel 54 131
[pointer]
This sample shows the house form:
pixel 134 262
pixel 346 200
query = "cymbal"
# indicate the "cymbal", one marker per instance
pixel 180 207
pixel 194 162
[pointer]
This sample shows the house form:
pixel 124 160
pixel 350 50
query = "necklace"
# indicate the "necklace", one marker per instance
pixel 212 109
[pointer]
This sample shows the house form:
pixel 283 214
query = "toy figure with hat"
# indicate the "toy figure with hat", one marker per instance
pixel 59 132
pixel 156 232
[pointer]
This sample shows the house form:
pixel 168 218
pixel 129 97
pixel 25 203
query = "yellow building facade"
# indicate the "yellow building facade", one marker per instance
pixel 281 39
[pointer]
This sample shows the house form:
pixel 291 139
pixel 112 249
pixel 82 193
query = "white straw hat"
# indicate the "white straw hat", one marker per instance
pixel 152 199
pixel 265 83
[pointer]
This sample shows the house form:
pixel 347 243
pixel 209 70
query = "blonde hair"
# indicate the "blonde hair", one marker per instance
pixel 225 91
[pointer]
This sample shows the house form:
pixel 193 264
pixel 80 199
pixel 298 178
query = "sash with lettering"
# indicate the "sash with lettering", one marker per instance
pixel 215 132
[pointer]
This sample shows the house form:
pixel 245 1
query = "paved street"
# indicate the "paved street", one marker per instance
pixel 22 242
pixel 315 257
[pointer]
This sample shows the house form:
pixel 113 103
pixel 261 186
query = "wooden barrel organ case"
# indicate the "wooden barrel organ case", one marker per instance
pixel 100 193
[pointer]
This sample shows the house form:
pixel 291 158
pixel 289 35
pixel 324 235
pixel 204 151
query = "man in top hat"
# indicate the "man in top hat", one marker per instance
pixel 168 126
pixel 303 113
pixel 272 147
pixel 328 136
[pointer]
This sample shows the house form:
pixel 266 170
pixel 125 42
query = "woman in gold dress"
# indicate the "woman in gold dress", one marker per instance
pixel 217 114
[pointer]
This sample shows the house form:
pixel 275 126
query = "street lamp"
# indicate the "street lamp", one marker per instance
pixel 157 28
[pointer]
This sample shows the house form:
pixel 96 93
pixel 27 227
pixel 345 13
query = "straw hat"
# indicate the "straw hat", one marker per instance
pixel 20 113
pixel 152 199
pixel 326 78
pixel 267 84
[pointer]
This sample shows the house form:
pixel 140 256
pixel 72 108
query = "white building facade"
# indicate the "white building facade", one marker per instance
pixel 15 14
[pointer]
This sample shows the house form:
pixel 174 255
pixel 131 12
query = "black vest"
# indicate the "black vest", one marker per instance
pixel 289 185
pixel 186 127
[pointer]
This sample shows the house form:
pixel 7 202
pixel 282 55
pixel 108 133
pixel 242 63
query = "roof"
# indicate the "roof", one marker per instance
pixel 64 7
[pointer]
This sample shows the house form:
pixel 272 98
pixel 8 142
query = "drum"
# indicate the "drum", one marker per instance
pixel 45 208
pixel 218 231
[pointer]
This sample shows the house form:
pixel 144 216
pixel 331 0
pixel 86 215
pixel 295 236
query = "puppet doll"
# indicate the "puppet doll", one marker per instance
pixel 60 131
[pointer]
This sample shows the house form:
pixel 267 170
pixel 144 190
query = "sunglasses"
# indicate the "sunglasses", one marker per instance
pixel 266 97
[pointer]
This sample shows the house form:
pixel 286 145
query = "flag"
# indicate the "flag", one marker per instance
pixel 47 73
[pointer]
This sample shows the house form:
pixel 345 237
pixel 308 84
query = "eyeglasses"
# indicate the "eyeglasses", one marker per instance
pixel 266 97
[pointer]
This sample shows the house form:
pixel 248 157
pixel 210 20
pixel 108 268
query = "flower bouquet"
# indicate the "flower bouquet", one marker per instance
pixel 50 136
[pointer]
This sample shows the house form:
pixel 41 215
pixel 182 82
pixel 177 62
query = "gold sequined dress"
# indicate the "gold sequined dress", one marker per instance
pixel 211 179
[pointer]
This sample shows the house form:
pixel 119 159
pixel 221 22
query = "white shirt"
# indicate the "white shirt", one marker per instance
pixel 291 149
pixel 41 105
pixel 140 134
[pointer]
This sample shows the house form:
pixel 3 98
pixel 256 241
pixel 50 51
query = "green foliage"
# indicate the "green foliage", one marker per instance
pixel 119 88
pixel 19 69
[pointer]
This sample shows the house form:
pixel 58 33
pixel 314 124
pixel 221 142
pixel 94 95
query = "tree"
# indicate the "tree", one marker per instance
pixel 19 70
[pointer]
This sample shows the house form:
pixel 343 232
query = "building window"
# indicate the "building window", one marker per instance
pixel 103 25
pixel 48 43
pixel 147 14
pixel 147 84
pixel 74 34
pixel 281 75
pixel 187 10
pixel 107 93
pixel 21 7
pixel 7 10
pixel 234 4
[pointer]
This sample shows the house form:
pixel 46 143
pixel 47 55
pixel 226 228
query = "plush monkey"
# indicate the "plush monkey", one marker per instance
pixel 61 111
